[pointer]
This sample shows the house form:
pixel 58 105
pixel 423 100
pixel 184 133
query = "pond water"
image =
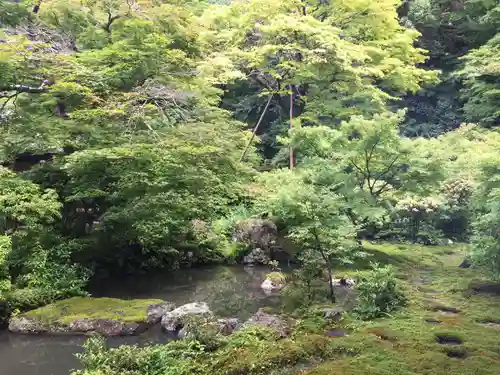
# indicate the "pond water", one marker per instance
pixel 229 290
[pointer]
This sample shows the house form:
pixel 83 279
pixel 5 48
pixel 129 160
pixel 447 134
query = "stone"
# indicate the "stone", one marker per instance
pixel 268 286
pixel 274 282
pixel 103 327
pixel 345 292
pixel 173 320
pixel 466 263
pixel 84 315
pixel 157 310
pixel 269 320
pixel 256 256
pixel 258 233
pixel 25 325
pixel 334 314
pixel 183 332
pixel 226 326
pixel 344 282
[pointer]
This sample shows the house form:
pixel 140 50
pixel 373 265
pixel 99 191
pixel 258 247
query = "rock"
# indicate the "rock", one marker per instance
pixel 333 314
pixel 106 327
pixel 256 256
pixel 256 232
pixel 25 325
pixel 275 281
pixel 466 263
pixel 103 327
pixel 173 320
pixel 157 310
pixel 345 292
pixel 268 286
pixel 269 320
pixel 344 282
pixel 84 315
pixel 449 242
pixel 227 326
pixel 183 332
pixel 224 326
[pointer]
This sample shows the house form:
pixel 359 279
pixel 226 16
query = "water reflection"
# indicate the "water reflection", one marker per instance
pixel 229 291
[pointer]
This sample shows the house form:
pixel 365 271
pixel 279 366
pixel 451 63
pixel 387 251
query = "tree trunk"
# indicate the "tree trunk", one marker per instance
pixel 330 282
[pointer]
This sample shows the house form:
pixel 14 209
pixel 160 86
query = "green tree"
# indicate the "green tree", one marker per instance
pixel 481 80
pixel 321 62
pixel 368 164
pixel 314 217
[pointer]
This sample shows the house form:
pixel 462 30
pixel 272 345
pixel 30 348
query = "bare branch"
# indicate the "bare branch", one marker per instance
pixel 22 88
pixel 256 128
pixel 111 19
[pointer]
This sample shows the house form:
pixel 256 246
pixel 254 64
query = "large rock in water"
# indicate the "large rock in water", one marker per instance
pixel 268 320
pixel 80 315
pixel 256 232
pixel 256 256
pixel 157 310
pixel 173 320
pixel 274 282
pixel 105 327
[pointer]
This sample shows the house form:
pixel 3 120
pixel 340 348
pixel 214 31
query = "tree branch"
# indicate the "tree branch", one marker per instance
pixel 384 173
pixel 256 128
pixel 9 98
pixel 368 158
pixel 22 88
pixel 111 19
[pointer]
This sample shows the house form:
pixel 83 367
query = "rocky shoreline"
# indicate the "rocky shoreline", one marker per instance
pixel 172 320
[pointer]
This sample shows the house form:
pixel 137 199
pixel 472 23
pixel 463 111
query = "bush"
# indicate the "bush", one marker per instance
pixel 175 358
pixel 29 298
pixel 379 293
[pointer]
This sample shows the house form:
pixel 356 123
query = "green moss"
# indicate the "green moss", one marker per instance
pixel 276 277
pixel 65 311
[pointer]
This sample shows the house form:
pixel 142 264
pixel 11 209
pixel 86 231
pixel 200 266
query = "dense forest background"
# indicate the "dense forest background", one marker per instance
pixel 126 131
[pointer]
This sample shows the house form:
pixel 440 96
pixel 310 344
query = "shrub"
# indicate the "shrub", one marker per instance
pixel 175 358
pixel 379 293
pixel 29 298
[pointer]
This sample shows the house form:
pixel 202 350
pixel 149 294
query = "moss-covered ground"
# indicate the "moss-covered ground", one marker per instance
pixel 443 330
pixel 65 311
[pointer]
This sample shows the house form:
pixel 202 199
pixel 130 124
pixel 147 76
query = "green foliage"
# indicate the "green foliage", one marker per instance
pixel 335 59
pixel 486 241
pixel 379 293
pixel 153 193
pixel 315 218
pixel 174 358
pixel 480 76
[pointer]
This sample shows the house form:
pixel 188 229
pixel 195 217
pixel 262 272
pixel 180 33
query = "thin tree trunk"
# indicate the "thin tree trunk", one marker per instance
pixel 327 264
pixel 291 119
pixel 256 128
pixel 330 282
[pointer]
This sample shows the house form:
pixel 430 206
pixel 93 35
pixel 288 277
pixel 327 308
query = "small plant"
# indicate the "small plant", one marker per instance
pixel 379 293
pixel 276 277
pixel 274 265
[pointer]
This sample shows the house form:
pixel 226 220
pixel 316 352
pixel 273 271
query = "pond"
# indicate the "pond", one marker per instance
pixel 231 291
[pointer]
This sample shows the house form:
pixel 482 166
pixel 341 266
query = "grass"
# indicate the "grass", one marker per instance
pixel 65 311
